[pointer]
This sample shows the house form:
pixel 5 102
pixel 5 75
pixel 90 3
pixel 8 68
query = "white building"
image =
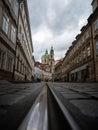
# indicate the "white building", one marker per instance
pixel 24 49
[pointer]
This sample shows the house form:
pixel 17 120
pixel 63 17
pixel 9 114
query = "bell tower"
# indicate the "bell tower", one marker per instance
pixel 52 53
pixel 51 59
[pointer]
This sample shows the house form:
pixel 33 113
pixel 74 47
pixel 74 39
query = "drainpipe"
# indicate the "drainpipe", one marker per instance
pixel 93 54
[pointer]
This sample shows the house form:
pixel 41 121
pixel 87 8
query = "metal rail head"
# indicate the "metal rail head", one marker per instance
pixel 37 118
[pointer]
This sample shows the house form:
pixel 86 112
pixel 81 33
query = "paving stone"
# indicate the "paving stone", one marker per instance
pixel 87 107
pixel 10 99
pixel 95 94
pixel 73 96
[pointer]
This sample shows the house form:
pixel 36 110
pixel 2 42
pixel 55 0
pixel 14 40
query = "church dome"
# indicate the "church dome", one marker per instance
pixel 46 55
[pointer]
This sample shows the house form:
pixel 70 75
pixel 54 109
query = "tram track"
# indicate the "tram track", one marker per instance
pixel 59 116
pixel 48 113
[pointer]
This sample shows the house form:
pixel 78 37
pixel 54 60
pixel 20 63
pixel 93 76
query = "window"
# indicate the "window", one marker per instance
pixel 13 34
pixel 88 51
pixel 87 72
pixel 21 6
pixel 5 23
pixel 2 59
pixel 15 7
pixel 87 35
pixel 20 29
pixel 82 40
pixel 96 25
pixel 80 57
pixel 23 39
pixel 84 54
pixel 97 47
pixel 10 64
pixel 17 63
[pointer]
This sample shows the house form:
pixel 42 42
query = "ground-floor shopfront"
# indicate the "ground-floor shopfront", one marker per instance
pixel 7 55
pixel 81 73
pixel 84 73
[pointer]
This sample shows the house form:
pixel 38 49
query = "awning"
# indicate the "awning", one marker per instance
pixel 79 68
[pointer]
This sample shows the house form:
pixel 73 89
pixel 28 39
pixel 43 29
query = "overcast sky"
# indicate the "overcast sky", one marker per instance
pixel 56 23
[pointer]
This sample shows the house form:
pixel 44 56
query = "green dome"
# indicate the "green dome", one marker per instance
pixel 46 55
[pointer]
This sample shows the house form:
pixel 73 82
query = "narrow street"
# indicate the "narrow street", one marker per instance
pixel 72 106
pixel 48 65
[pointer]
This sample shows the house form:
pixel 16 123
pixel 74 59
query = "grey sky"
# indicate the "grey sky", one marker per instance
pixel 56 23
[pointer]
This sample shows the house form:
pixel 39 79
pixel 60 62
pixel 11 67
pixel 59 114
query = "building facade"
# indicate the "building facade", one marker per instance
pixel 15 41
pixel 57 75
pixel 8 30
pixel 80 63
pixel 24 62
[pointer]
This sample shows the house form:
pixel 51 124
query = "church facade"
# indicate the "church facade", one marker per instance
pixel 48 65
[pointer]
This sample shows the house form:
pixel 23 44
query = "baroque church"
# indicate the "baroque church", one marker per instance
pixel 48 64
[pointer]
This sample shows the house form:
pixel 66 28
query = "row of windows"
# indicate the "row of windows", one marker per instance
pixel 79 57
pixel 6 25
pixel 77 47
pixel 79 44
pixel 21 67
pixel 26 29
pixel 24 42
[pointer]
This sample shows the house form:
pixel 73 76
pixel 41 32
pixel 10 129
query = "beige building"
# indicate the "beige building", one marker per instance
pixel 24 62
pixel 57 75
pixel 8 30
pixel 80 63
pixel 15 41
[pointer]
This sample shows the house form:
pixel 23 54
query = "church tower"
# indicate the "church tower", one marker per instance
pixel 48 63
pixel 45 58
pixel 51 53
pixel 51 59
pixel 48 60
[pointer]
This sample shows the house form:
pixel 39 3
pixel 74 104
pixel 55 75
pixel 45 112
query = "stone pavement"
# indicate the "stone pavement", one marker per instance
pixel 15 101
pixel 81 100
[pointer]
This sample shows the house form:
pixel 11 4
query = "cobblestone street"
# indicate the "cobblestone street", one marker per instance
pixel 80 99
pixel 15 101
